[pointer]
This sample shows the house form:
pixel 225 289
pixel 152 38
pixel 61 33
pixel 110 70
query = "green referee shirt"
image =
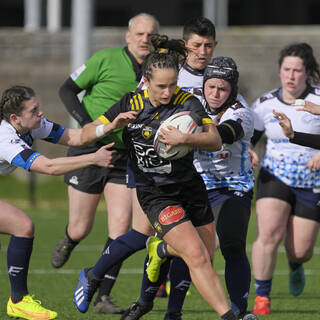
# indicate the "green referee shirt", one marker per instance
pixel 106 77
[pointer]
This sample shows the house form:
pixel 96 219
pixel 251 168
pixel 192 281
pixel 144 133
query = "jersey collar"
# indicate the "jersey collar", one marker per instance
pixel 193 71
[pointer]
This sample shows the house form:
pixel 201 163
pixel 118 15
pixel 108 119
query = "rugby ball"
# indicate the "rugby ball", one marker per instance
pixel 186 122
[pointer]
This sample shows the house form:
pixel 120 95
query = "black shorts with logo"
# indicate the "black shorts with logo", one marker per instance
pixel 93 179
pixel 305 202
pixel 167 206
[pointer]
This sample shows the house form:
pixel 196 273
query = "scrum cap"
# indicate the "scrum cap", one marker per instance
pixel 223 68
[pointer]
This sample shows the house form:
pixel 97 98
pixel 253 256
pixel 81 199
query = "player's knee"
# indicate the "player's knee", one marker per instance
pixel 26 228
pixel 234 248
pixel 197 256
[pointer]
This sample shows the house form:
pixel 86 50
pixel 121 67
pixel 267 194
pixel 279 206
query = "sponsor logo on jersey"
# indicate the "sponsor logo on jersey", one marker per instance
pixel 171 215
pixel 147 132
pixel 135 125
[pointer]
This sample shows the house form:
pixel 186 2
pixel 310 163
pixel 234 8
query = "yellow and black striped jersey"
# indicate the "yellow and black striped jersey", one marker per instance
pixel 148 167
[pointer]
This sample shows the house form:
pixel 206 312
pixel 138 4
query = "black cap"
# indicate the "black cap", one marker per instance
pixel 223 68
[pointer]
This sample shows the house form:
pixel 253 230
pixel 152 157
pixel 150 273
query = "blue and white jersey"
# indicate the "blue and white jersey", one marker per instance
pixel 287 161
pixel 16 149
pixel 231 166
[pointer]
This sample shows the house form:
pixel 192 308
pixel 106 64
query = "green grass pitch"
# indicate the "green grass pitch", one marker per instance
pixel 55 287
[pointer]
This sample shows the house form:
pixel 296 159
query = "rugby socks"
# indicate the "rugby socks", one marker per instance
pixel 119 249
pixel 149 289
pixel 294 266
pixel 180 281
pixel 238 278
pixel 263 287
pixel 109 278
pixel 18 258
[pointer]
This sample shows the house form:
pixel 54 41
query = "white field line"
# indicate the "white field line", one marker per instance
pixel 309 272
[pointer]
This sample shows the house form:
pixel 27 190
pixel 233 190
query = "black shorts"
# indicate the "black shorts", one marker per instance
pixel 169 205
pixel 305 203
pixel 93 179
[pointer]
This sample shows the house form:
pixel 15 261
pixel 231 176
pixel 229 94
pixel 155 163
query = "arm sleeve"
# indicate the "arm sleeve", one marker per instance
pixel 68 94
pixel 256 136
pixel 230 131
pixel 306 139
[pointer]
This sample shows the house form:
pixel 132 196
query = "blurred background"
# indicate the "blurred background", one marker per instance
pixel 42 41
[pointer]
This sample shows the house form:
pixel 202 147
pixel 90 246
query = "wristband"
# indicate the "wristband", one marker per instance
pixel 99 131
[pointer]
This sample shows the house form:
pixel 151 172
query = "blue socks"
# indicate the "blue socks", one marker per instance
pixel 263 287
pixel 179 284
pixel 238 278
pixel 148 288
pixel 18 258
pixel 119 249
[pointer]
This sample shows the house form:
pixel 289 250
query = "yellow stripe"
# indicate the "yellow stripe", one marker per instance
pixel 185 98
pixel 207 121
pixel 140 101
pixel 132 104
pixel 136 102
pixel 146 95
pixel 103 119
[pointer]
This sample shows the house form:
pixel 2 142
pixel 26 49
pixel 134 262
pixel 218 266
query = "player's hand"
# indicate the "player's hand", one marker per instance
pixel 254 158
pixel 284 123
pixel 308 106
pixel 171 136
pixel 105 157
pixel 123 119
pixel 314 162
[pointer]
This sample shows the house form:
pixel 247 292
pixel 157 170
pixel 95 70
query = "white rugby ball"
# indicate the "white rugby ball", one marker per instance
pixel 186 122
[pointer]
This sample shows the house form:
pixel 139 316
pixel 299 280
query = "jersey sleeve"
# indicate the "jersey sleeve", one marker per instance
pixel 25 158
pixel 243 116
pixel 87 74
pixel 119 107
pixel 48 131
pixel 16 151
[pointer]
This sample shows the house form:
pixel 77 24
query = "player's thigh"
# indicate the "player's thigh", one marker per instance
pixel 119 205
pixel 140 222
pixel 301 235
pixel 272 218
pixel 14 221
pixel 186 242
pixel 82 207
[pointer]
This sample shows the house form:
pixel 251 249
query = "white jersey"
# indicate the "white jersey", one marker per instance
pixel 287 161
pixel 16 149
pixel 191 80
pixel 231 166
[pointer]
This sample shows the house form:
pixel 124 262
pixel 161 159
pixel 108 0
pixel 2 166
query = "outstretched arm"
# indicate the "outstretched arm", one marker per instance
pixel 57 166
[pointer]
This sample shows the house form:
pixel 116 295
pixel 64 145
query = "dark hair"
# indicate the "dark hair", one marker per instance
pixel 223 68
pixel 305 52
pixel 12 101
pixel 167 54
pixel 200 26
